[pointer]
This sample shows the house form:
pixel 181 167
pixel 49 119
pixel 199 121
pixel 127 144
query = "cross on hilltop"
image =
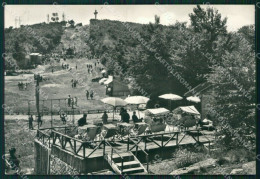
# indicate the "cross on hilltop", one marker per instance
pixel 95 13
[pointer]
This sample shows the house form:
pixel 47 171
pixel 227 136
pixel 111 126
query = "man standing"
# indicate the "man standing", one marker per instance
pixel 63 118
pixel 75 101
pixel 92 94
pixel 69 100
pixel 104 117
pixel 31 122
pixel 72 83
pixel 87 94
pixel 39 120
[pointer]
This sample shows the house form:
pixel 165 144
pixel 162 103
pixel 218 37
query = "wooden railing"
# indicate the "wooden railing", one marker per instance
pixel 44 137
pixel 136 146
pixel 64 139
pixel 113 150
pixel 149 137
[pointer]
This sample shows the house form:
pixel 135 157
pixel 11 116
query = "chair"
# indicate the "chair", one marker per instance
pixel 108 131
pixel 124 129
pixel 140 128
pixel 157 127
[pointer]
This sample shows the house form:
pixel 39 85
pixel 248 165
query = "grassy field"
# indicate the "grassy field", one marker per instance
pixel 58 86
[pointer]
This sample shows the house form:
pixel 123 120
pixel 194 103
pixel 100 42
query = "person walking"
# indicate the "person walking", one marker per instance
pixel 87 94
pixel 31 122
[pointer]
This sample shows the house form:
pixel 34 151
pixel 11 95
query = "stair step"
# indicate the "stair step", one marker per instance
pixel 130 164
pixel 140 173
pixel 126 156
pixel 133 170
pixel 122 155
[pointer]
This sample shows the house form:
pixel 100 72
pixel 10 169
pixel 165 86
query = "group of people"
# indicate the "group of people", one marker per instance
pixel 74 83
pixel 90 94
pixel 39 120
pixel 90 68
pixel 65 66
pixel 125 117
pixel 22 86
pixel 72 101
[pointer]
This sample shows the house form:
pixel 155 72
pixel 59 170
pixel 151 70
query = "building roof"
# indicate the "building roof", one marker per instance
pixel 187 109
pixel 157 111
pixel 109 80
pixel 35 54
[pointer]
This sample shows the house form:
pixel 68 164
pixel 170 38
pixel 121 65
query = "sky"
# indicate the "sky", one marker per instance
pixel 238 15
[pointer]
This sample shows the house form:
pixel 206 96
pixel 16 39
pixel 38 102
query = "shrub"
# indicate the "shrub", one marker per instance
pixel 186 158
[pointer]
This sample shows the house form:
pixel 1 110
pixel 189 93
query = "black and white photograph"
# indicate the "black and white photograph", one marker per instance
pixel 109 89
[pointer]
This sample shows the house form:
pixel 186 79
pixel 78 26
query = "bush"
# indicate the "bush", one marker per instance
pixel 233 156
pixel 185 158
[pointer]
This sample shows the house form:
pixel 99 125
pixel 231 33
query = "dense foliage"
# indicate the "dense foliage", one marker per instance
pixel 173 59
pixel 41 38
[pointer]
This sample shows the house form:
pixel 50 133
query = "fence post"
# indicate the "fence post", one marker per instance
pixel 104 148
pixel 136 150
pixel 177 138
pixel 147 162
pixel 198 137
pixel 75 150
pixel 145 143
pixel 162 139
pixel 84 152
pixel 112 155
pixel 128 140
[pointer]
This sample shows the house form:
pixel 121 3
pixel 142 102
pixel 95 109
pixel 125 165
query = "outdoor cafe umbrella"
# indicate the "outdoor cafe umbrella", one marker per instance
pixel 115 102
pixel 171 97
pixel 137 100
pixel 193 99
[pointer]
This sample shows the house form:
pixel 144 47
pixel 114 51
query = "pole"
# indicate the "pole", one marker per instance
pixel 28 107
pixel 51 113
pixel 37 97
pixel 138 111
pixel 114 113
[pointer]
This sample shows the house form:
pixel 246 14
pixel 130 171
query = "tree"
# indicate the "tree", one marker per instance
pixel 55 17
pixel 72 23
pixel 19 54
pixel 208 22
pixel 235 95
pixel 207 27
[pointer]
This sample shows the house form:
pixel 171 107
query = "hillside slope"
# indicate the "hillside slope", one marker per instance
pixel 41 38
